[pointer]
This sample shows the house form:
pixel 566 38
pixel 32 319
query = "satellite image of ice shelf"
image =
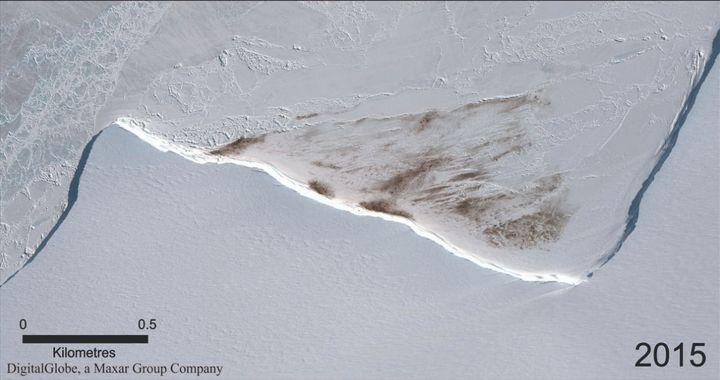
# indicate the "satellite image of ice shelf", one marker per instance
pixel 359 190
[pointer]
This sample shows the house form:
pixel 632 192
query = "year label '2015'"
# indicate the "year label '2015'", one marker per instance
pixel 661 355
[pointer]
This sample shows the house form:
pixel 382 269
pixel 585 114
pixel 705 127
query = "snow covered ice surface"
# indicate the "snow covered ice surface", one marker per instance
pixel 516 135
pixel 243 272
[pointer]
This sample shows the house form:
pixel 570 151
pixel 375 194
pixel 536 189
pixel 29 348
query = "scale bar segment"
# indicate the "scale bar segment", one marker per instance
pixel 85 339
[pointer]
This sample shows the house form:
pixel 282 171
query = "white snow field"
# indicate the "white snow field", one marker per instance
pixel 241 271
pixel 516 135
pixel 363 190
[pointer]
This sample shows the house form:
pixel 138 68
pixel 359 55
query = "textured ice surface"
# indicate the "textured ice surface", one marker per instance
pixel 604 82
pixel 54 82
pixel 274 285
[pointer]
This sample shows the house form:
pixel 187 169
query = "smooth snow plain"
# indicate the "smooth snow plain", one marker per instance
pixel 243 272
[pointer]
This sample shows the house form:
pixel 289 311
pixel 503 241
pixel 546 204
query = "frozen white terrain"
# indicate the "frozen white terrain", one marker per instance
pixel 516 135
pixel 243 272
pixel 287 187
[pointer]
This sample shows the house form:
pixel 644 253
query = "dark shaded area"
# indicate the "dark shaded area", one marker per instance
pixel 474 175
pixel 321 188
pixel 308 116
pixel 476 208
pixel 402 181
pixel 385 207
pixel 237 146
pixel 529 230
pixel 322 164
pixel 425 121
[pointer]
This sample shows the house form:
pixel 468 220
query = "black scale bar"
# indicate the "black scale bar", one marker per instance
pixel 85 339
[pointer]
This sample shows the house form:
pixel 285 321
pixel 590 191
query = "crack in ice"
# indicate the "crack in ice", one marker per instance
pixel 73 193
pixel 665 150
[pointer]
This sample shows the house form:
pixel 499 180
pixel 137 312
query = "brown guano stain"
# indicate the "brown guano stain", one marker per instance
pixel 402 181
pixel 527 231
pixel 308 116
pixel 327 165
pixel 385 207
pixel 237 146
pixel 425 121
pixel 513 149
pixel 321 188
pixel 477 208
pixel 474 175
